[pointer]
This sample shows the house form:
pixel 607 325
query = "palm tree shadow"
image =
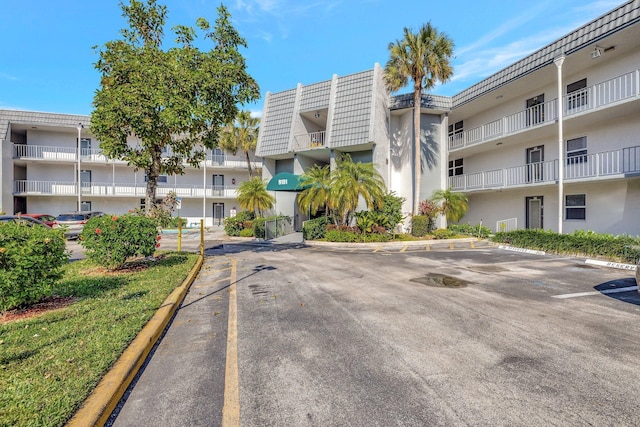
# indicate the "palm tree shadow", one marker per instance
pixel 621 290
pixel 402 146
pixel 429 147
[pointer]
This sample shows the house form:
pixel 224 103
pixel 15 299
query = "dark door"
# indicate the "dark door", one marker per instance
pixel 534 207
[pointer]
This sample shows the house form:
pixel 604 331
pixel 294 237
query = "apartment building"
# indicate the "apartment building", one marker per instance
pixel 51 163
pixel 551 142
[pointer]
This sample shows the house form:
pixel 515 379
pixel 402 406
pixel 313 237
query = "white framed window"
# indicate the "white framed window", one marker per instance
pixel 576 206
pixel 162 179
pixel 577 150
pixel 456 128
pixel 456 167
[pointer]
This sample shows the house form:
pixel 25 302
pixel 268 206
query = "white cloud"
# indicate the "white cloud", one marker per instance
pixel 477 63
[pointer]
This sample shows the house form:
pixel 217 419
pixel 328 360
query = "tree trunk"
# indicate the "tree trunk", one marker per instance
pixel 152 178
pixel 246 153
pixel 417 152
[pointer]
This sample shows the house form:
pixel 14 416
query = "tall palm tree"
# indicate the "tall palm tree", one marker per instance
pixel 316 182
pixel 349 182
pixel 423 57
pixel 453 205
pixel 253 196
pixel 242 135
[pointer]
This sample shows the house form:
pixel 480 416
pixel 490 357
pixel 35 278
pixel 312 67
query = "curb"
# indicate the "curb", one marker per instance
pixel 391 244
pixel 97 408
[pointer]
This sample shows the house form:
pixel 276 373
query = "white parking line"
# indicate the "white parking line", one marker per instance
pixel 607 291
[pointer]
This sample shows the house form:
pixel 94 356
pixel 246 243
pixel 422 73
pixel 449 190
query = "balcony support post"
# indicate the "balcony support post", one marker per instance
pixel 559 61
pixel 80 126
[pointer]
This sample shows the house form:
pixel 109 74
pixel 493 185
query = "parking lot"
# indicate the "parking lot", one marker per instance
pixel 442 335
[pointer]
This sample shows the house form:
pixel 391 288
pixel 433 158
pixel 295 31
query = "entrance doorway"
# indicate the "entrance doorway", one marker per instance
pixel 85 181
pixel 535 159
pixel 218 213
pixel 20 205
pixel 534 212
pixel 218 185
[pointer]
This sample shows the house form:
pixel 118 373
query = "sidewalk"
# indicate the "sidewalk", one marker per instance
pixel 183 379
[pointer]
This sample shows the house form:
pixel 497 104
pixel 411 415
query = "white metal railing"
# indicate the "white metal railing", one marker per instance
pixel 533 116
pixel 607 163
pixel 505 225
pixel 600 95
pixel 60 188
pixel 70 154
pixel 310 141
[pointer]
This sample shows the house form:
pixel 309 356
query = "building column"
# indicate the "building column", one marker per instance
pixel 559 61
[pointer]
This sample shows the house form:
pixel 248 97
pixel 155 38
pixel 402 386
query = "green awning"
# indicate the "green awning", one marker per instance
pixel 284 181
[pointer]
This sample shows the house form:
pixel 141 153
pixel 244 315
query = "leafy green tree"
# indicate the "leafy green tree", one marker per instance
pixel 176 98
pixel 242 135
pixel 349 182
pixel 453 205
pixel 423 57
pixel 253 196
pixel 316 193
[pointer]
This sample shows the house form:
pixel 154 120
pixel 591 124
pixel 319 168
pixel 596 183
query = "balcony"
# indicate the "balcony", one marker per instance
pixel 310 141
pixel 607 164
pixel 599 96
pixel 70 155
pixel 60 188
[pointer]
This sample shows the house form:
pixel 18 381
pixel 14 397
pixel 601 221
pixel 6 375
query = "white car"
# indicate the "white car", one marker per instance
pixel 74 222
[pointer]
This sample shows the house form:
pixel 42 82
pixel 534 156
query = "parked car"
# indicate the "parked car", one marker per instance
pixel 73 222
pixel 22 219
pixel 46 218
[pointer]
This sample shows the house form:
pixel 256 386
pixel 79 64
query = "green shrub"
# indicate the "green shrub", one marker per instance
pixel 375 237
pixel 315 229
pixel 30 261
pixel 479 231
pixel 586 243
pixel 110 240
pixel 174 222
pixel 337 235
pixel 257 227
pixel 442 233
pixel 247 232
pixel 421 225
pixel 233 225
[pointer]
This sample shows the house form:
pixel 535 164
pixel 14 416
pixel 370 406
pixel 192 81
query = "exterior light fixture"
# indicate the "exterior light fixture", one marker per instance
pixel 596 53
pixel 317 115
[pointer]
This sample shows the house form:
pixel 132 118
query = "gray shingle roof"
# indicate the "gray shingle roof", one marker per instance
pixel 38 118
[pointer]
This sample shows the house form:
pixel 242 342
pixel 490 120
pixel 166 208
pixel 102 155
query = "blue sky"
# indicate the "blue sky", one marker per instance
pixel 47 46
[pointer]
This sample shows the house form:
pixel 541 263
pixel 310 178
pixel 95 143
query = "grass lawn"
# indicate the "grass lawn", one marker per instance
pixel 50 363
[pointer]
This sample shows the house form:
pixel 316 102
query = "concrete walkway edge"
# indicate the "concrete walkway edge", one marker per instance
pixel 97 408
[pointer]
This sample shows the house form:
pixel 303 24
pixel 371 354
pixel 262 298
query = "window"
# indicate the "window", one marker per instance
pixel 162 179
pixel 576 206
pixel 456 128
pixel 577 150
pixel 456 167
pixel 577 94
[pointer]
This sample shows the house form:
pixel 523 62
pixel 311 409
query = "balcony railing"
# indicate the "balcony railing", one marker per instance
pixel 594 97
pixel 70 154
pixel 585 166
pixel 309 141
pixel 61 188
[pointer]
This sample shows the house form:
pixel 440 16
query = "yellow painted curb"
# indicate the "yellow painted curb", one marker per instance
pixel 97 408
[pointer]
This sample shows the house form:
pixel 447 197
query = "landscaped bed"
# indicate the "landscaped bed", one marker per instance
pixel 54 354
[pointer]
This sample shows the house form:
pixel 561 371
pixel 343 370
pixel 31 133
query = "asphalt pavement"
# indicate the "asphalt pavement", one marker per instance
pixel 437 333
